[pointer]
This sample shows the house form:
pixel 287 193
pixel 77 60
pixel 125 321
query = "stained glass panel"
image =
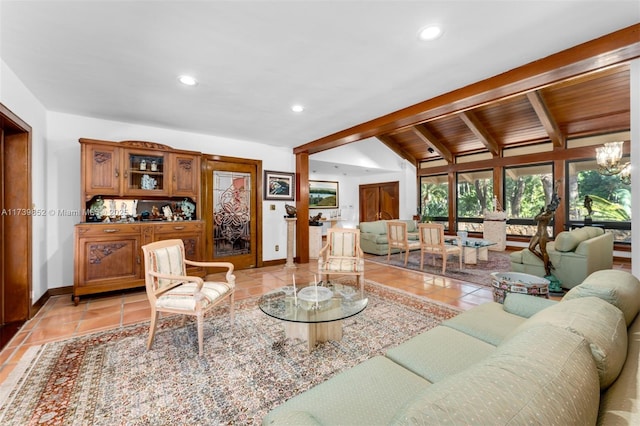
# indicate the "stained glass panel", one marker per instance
pixel 231 213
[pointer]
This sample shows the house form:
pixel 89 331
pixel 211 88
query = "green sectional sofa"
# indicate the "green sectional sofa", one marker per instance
pixel 574 255
pixel 373 236
pixel 529 361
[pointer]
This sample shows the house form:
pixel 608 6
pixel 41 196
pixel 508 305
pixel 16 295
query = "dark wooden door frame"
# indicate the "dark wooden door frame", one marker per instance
pixel 16 222
pixel 206 164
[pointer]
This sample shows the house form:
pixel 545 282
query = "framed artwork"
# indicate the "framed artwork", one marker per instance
pixel 323 194
pixel 279 185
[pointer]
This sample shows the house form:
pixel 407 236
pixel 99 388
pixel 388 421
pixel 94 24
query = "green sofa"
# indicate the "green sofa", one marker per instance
pixel 529 361
pixel 373 236
pixel 574 255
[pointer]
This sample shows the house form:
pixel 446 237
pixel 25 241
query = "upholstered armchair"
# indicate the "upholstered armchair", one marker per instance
pixel 432 241
pixel 169 289
pixel 342 255
pixel 398 237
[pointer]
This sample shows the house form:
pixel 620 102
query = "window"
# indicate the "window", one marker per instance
pixel 475 195
pixel 527 190
pixel 610 199
pixel 434 199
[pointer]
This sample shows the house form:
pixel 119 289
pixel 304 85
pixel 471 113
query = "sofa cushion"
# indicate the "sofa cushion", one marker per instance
pixel 569 240
pixel 620 404
pixel 374 389
pixel 487 322
pixel 439 353
pixel 545 375
pixel 375 227
pixel 525 305
pixel 599 322
pixel 617 287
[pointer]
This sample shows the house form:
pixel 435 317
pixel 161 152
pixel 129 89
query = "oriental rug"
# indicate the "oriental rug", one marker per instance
pixel 110 378
pixel 478 274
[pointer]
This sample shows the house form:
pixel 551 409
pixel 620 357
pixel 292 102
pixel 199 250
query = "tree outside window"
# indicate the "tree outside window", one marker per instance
pixel 475 195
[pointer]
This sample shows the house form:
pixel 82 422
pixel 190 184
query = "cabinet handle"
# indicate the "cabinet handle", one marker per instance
pixel 178 228
pixel 117 172
pixel 126 174
pixel 174 177
pixel 110 230
pixel 138 260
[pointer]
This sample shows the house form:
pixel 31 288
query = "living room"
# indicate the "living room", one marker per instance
pixel 55 167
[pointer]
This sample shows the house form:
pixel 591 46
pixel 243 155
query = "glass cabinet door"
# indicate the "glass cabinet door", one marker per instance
pixel 147 173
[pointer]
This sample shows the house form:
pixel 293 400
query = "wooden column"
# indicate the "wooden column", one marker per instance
pixel 302 205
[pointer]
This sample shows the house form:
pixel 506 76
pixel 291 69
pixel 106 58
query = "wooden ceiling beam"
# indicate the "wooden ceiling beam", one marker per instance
pixel 481 132
pixel 393 146
pixel 614 48
pixel 548 122
pixel 429 138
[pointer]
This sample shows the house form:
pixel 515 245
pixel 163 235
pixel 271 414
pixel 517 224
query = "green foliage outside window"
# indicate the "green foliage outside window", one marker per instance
pixel 434 200
pixel 611 198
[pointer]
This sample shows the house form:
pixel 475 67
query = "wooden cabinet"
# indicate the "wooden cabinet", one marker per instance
pixel 185 175
pixel 108 256
pixel 138 169
pixel 101 170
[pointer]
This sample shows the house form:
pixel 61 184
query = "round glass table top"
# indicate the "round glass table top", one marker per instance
pixel 311 304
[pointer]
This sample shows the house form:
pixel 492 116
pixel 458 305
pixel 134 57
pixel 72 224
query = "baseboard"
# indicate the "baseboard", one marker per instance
pixel 58 291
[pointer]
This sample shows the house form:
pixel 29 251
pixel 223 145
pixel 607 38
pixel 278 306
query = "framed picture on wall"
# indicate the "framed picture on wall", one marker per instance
pixel 323 194
pixel 279 185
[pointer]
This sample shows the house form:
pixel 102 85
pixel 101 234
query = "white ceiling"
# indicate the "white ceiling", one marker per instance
pixel 346 61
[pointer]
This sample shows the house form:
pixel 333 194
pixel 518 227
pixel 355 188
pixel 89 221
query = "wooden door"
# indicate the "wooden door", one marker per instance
pixel 379 201
pixel 230 209
pixel 16 219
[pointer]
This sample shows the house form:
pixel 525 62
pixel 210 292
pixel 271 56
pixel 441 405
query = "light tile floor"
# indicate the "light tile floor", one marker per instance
pixel 59 318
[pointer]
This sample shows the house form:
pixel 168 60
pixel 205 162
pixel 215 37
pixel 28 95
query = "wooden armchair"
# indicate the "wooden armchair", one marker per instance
pixel 169 289
pixel 432 241
pixel 342 255
pixel 397 237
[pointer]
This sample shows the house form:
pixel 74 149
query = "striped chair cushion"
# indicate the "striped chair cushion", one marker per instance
pixel 167 260
pixel 344 265
pixel 183 298
pixel 343 244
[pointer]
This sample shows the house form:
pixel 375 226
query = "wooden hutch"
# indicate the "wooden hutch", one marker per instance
pixel 133 193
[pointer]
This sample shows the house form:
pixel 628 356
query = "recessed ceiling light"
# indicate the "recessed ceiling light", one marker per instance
pixel 187 80
pixel 429 33
pixel 297 108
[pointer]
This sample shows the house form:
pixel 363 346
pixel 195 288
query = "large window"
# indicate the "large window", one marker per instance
pixel 434 199
pixel 527 190
pixel 610 199
pixel 475 195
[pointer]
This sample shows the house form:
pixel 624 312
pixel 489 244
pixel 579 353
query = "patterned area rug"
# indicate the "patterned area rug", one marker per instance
pixel 478 274
pixel 110 378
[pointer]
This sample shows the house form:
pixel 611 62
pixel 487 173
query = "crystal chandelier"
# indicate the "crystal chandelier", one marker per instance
pixel 608 158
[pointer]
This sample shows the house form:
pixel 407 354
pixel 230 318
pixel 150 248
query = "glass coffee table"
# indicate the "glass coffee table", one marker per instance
pixel 476 249
pixel 313 314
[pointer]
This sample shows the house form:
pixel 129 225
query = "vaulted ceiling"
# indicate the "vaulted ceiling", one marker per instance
pixel 597 103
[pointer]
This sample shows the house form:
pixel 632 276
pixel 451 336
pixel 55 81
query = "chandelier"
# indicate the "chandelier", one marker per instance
pixel 608 158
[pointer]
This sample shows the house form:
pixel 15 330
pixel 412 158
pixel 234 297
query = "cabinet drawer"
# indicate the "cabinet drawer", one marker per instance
pixel 107 229
pixel 173 227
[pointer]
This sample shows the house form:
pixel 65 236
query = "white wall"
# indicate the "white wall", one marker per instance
pixel 19 100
